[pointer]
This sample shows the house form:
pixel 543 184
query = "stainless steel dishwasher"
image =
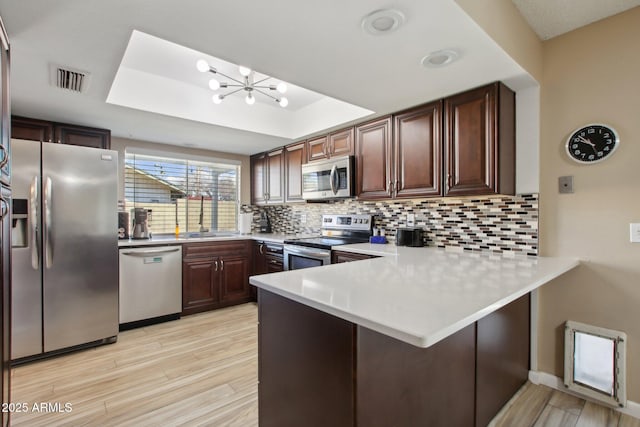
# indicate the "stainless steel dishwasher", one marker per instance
pixel 150 285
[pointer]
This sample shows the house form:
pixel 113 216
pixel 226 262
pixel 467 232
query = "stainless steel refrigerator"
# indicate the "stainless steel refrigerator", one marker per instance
pixel 64 247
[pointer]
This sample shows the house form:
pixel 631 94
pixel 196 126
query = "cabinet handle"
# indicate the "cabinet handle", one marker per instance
pixel 216 264
pixel 5 156
pixel 390 188
pixel 221 265
pixel 273 261
pixel 448 181
pixel 261 249
pixel 395 187
pixel 5 207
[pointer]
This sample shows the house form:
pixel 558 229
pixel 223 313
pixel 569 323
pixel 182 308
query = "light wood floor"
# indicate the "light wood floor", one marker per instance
pixel 202 370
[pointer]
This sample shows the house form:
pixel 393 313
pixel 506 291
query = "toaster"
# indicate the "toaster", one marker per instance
pixel 413 237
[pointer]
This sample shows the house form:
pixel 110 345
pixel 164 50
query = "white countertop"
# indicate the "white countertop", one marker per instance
pixel 417 295
pixel 168 239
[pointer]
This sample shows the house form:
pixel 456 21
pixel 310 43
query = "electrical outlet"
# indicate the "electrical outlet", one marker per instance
pixel 634 232
pixel 565 184
pixel 303 218
pixel 411 220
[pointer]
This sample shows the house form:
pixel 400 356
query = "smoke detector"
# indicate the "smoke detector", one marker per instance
pixel 69 78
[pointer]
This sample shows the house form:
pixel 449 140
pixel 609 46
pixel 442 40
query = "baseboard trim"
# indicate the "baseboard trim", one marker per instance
pixel 537 377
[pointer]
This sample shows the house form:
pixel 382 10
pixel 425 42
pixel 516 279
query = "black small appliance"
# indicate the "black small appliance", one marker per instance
pixel 264 223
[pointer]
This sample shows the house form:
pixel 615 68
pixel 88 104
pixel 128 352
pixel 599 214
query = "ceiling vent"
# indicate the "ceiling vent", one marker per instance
pixel 69 78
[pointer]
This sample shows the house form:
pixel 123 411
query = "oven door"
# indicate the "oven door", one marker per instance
pixel 297 257
pixel 329 179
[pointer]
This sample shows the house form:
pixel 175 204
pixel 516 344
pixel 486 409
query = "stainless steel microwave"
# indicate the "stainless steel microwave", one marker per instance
pixel 328 179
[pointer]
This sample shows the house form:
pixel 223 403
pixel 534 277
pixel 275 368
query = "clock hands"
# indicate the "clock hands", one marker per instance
pixel 586 141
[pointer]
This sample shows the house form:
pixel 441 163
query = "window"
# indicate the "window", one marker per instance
pixel 199 196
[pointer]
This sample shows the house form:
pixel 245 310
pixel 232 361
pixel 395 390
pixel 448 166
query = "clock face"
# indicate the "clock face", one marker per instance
pixel 592 143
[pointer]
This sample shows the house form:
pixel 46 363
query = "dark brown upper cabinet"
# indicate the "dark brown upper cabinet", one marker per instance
pixel 479 129
pixel 339 143
pixel 317 148
pixel 294 157
pixel 82 135
pixel 31 129
pixel 417 152
pixel 62 133
pixel 373 160
pixel 409 165
pixel 267 171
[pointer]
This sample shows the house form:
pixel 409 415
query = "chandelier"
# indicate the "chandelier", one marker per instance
pixel 248 85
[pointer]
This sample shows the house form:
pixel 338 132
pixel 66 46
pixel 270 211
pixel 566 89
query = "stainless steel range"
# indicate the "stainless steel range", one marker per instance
pixel 336 230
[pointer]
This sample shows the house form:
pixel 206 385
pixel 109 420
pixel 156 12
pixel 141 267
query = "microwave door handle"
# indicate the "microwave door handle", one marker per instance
pixel 332 179
pixel 33 223
pixel 48 244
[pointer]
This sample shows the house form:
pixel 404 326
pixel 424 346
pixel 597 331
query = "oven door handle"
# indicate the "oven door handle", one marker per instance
pixel 306 252
pixel 332 179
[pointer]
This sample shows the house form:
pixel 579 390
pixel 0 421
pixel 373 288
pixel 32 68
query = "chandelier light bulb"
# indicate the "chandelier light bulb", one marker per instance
pixel 284 102
pixel 217 99
pixel 202 65
pixel 214 84
pixel 245 71
pixel 282 87
pixel 250 99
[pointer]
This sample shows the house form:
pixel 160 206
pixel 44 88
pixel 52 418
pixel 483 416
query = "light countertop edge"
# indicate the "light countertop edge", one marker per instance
pixel 420 328
pixel 165 240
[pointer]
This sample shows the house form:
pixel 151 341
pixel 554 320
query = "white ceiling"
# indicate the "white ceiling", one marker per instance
pixel 159 76
pixel 550 18
pixel 316 45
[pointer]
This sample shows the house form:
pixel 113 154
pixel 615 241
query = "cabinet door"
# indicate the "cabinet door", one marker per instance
pixel 200 284
pixel 31 129
pixel 275 173
pixel 84 136
pixel 341 143
pixel 480 142
pixel 317 148
pixel 258 178
pixel 417 152
pixel 373 160
pixel 234 278
pixel 295 156
pixel 259 258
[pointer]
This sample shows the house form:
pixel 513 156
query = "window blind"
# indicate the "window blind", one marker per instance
pixel 197 195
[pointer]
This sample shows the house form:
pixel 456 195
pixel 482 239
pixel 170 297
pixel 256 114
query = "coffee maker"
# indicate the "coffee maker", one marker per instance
pixel 140 224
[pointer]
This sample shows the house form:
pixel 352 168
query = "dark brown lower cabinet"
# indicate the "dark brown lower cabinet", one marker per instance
pixel 267 258
pixel 318 370
pixel 214 275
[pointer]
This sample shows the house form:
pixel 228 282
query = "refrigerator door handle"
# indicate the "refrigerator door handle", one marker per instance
pixel 48 244
pixel 33 223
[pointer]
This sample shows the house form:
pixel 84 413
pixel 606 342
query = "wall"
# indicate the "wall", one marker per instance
pixel 497 224
pixel 120 144
pixel 592 75
pixel 502 21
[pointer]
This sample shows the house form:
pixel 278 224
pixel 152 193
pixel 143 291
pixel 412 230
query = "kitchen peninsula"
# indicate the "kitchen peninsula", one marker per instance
pixel 417 336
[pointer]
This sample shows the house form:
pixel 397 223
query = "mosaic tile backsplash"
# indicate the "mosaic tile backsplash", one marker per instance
pixel 496 223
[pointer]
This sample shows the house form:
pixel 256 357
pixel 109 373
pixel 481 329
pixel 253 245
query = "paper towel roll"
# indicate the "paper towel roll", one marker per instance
pixel 244 223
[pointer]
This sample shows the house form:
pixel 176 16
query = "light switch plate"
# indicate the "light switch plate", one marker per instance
pixel 411 220
pixel 634 232
pixel 565 184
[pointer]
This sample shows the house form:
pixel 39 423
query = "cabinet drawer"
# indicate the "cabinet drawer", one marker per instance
pixel 204 249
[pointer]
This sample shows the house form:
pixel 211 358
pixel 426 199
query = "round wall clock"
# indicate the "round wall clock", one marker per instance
pixel 592 143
